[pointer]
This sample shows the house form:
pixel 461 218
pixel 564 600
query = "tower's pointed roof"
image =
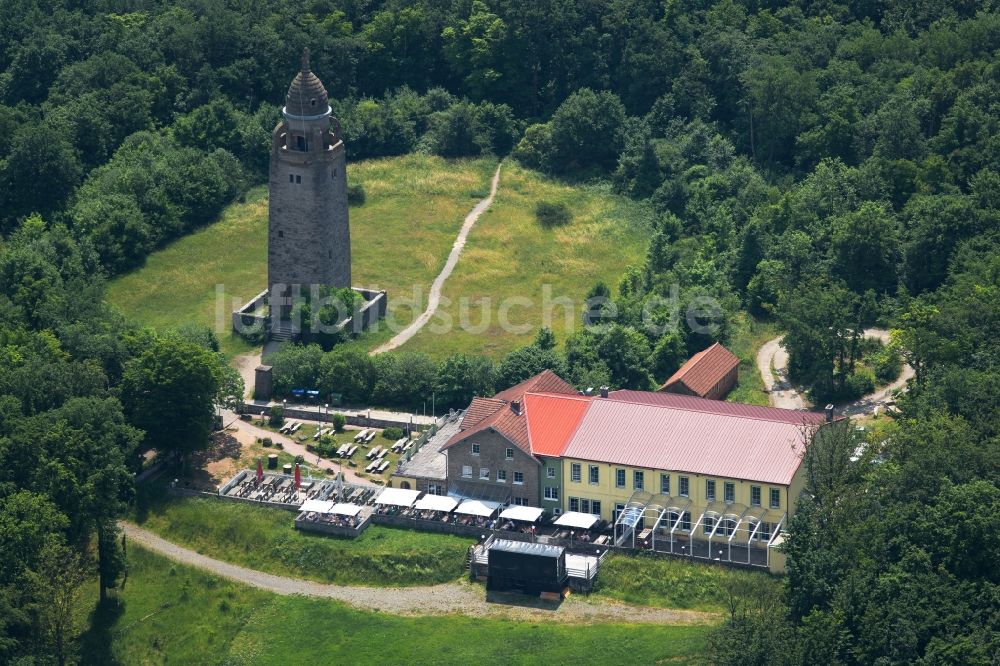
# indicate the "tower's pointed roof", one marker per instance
pixel 306 96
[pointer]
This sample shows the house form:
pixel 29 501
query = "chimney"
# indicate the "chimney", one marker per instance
pixel 515 406
pixel 604 391
pixel 829 413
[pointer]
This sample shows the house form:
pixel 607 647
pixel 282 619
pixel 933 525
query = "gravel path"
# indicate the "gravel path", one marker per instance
pixel 772 362
pixel 449 598
pixel 434 298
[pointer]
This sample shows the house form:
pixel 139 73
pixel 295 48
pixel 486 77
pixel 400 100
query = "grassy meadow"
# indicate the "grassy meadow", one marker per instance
pixel 170 613
pixel 509 254
pixel 400 237
pixel 264 538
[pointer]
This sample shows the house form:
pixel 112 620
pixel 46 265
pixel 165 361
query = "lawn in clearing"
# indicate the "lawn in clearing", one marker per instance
pixel 509 254
pixel 264 538
pixel 400 238
pixel 170 613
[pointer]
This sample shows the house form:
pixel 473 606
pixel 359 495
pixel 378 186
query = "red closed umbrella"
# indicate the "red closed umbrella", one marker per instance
pixel 260 471
pixel 298 476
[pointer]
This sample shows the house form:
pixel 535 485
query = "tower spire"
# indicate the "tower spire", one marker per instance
pixel 305 60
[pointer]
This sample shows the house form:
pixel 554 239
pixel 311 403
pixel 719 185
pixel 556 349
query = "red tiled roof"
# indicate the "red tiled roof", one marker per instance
pixel 479 409
pixel 496 413
pixel 704 370
pixel 504 421
pixel 552 418
pixel 544 382
pixel 655 435
pixel 739 409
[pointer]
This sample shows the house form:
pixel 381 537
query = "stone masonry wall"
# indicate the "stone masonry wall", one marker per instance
pixel 492 456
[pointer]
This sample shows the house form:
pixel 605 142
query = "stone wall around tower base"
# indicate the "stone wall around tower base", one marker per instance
pixel 374 309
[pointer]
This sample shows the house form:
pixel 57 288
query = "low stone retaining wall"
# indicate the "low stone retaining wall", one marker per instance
pixel 335 530
pixel 429 525
pixel 246 321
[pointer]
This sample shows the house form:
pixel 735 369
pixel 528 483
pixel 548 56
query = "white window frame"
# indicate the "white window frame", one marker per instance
pixel 550 472
pixel 620 474
pixel 638 479
pixel 684 486
pixel 592 472
pixel 475 449
pixel 760 496
pixel 518 474
pixel 728 492
pixel 664 487
pixel 509 453
pixel 575 472
pixel 770 498
pixel 501 476
pixel 551 493
pixel 467 471
pixel 710 490
pixel 484 473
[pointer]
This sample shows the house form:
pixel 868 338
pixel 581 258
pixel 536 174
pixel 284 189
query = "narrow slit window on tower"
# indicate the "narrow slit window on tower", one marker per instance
pixel 291 178
pixel 300 143
pixel 281 234
pixel 298 180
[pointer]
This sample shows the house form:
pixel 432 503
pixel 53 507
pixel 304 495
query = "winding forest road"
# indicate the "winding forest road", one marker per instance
pixel 434 298
pixel 772 362
pixel 444 599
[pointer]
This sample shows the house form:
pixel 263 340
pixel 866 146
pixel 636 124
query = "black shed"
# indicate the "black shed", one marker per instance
pixel 530 568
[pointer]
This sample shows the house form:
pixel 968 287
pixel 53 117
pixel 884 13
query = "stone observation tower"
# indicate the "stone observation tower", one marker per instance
pixel 308 236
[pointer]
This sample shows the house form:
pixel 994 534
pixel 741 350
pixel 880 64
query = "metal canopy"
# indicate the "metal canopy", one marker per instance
pixel 528 514
pixel 316 506
pixel 436 503
pixel 583 521
pixel 477 508
pixel 397 497
pixel 345 509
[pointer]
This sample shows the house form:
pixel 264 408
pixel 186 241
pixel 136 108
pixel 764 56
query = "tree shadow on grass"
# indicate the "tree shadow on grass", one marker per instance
pixel 95 643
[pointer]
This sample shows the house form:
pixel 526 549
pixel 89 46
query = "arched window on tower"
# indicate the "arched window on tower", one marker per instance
pixel 301 144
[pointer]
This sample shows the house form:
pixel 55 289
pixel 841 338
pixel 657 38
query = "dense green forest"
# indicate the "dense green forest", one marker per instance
pixel 826 165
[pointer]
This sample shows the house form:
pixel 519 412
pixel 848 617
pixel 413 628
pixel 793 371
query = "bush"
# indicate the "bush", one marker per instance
pixel 300 459
pixel 860 383
pixel 338 420
pixel 276 416
pixel 393 433
pixel 279 446
pixel 552 214
pixel 268 442
pixel 356 195
pixel 886 364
